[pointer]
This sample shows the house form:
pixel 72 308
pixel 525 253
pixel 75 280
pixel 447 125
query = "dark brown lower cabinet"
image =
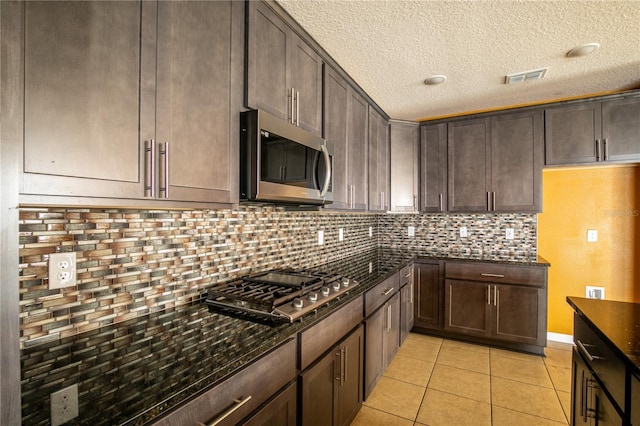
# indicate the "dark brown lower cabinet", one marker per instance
pixel 280 411
pixel 635 400
pixel 407 311
pixel 590 404
pixel 331 389
pixel 499 311
pixel 429 294
pixel 383 338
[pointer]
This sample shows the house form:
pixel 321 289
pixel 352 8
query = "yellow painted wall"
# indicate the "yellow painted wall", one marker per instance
pixel 605 198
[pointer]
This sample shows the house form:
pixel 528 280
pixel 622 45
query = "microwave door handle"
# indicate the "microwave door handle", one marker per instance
pixel 327 178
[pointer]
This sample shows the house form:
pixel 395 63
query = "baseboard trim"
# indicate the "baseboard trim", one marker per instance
pixel 558 337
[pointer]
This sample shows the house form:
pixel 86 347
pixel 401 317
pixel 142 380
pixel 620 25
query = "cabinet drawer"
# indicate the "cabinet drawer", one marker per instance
pixel 375 297
pixel 251 386
pixel 319 338
pixel 607 366
pixel 497 273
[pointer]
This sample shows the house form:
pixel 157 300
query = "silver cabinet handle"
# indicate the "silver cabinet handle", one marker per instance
pixel 292 104
pixel 407 275
pixel 586 353
pixel 597 149
pixel 327 178
pixel 164 152
pixel 493 275
pixel 493 203
pixel 150 168
pixel 411 294
pixel 389 318
pixel 441 203
pixel 297 108
pixel 495 295
pixel 237 403
pixel 488 294
pixel 606 149
pixel 387 291
pixel 339 375
pixel 415 198
pixel 346 362
pixel 488 201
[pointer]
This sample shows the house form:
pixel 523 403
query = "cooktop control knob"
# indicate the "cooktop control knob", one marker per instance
pixel 313 297
pixel 345 282
pixel 325 291
pixel 298 303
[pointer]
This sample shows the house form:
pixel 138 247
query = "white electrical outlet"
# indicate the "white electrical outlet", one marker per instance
pixel 64 405
pixel 411 231
pixel 463 232
pixel 62 270
pixel 320 238
pixel 592 235
pixel 509 234
pixel 371 231
pixel 370 267
pixel 340 234
pixel 593 292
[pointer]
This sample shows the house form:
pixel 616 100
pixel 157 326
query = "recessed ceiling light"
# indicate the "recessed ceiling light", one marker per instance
pixel 435 79
pixel 582 50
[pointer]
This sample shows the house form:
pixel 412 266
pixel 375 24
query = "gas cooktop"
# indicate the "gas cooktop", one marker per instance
pixel 282 295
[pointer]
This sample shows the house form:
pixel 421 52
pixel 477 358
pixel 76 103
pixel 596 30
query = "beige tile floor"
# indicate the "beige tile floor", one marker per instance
pixel 441 382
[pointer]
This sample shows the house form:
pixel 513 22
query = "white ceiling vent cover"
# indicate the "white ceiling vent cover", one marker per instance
pixel 526 76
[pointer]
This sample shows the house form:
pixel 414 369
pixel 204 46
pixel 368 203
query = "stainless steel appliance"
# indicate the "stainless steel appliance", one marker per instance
pixel 279 295
pixel 280 162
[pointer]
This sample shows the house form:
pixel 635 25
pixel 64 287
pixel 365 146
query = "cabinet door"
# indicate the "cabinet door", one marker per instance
pixel 348 395
pixel 375 193
pixel 579 375
pixel 317 391
pixel 336 97
pixel 635 400
pixel 374 358
pixel 621 130
pixel 517 147
pixel 469 164
pixel 384 162
pixel 193 95
pixel 517 314
pixel 433 170
pixel 392 335
pixel 571 133
pixel 280 411
pixel 82 74
pixel 306 80
pixel 268 41
pixel 428 295
pixel 404 166
pixel 357 150
pixel 467 307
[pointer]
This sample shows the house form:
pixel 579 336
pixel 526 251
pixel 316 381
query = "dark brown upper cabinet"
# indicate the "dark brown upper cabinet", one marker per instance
pixel 346 130
pixel 433 168
pixel 133 104
pixel 405 175
pixel 495 163
pixel 593 132
pixel 284 74
pixel 378 183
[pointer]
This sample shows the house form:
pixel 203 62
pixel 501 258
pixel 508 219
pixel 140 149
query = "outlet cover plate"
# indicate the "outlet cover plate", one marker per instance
pixel 411 231
pixel 509 234
pixel 594 292
pixel 340 234
pixel 64 405
pixel 62 270
pixel 592 235
pixel 463 232
pixel 320 238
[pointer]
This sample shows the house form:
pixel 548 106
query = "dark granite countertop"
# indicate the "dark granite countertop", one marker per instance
pixel 133 371
pixel 617 323
pixel 540 261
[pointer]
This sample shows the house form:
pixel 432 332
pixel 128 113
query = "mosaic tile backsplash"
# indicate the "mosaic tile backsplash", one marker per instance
pixel 134 262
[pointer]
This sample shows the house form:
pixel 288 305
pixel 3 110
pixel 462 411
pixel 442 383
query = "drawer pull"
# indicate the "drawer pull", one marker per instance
pixel 387 291
pixel 407 275
pixel 237 403
pixel 586 353
pixel 493 275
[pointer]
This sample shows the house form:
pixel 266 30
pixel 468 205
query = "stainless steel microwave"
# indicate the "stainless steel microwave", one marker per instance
pixel 282 163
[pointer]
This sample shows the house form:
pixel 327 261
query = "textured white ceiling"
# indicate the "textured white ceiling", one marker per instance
pixel 390 46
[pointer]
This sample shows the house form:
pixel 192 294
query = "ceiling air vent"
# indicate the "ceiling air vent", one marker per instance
pixel 526 76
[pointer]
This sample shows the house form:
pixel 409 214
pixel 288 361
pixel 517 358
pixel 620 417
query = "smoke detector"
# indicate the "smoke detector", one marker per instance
pixel 526 76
